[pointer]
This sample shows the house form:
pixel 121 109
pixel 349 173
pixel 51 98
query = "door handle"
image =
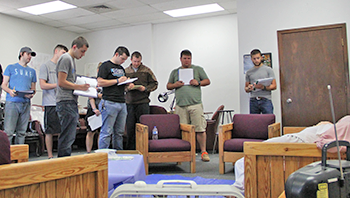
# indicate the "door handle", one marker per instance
pixel 289 101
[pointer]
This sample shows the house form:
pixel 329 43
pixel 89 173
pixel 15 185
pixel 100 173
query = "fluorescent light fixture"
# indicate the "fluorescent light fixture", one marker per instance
pixel 194 10
pixel 48 7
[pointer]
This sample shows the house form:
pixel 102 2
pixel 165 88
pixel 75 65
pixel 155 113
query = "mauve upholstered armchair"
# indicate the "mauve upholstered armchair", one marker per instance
pixel 176 142
pixel 245 127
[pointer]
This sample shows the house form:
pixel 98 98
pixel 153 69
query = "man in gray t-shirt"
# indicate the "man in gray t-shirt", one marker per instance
pixel 260 95
pixel 66 102
pixel 48 83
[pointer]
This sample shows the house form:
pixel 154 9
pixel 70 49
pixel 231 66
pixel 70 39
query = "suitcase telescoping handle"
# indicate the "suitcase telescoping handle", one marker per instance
pixel 334 144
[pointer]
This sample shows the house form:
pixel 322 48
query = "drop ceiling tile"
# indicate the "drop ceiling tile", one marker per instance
pixel 125 4
pixel 228 5
pixel 56 23
pixel 3 8
pixel 75 29
pixel 145 18
pixel 68 14
pixel 85 19
pixel 84 3
pixel 101 24
pixel 130 12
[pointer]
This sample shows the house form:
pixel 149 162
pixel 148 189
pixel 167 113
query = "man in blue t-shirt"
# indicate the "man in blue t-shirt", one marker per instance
pixel 18 77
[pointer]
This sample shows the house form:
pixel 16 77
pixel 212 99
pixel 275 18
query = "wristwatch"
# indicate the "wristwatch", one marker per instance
pixel 199 83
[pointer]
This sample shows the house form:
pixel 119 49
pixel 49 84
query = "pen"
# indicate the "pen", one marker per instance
pixel 255 84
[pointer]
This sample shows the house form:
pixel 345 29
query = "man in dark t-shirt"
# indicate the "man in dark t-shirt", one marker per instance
pixel 110 76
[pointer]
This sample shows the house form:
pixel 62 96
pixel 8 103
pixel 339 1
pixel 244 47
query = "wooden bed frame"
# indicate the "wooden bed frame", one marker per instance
pixel 81 176
pixel 267 165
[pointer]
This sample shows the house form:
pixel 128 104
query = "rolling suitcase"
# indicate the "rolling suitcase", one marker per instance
pixel 321 179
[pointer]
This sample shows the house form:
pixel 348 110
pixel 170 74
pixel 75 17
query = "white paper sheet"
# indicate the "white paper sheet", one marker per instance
pixel 264 81
pixel 128 81
pixel 95 122
pixel 186 75
pixel 91 92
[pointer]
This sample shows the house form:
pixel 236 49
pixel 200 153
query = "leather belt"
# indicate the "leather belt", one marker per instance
pixel 259 98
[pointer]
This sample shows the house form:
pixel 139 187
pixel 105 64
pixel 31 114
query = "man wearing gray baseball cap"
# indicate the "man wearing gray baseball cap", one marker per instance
pixel 19 82
pixel 27 50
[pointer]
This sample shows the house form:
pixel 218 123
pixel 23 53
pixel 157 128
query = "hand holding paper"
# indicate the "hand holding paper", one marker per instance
pixel 186 75
pixel 262 82
pixel 91 91
pixel 130 80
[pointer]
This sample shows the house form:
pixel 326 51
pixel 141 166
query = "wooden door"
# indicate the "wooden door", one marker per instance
pixel 310 59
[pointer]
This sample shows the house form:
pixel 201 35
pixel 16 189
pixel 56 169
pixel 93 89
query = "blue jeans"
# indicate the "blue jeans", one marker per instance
pixel 16 119
pixel 263 105
pixel 113 124
pixel 68 115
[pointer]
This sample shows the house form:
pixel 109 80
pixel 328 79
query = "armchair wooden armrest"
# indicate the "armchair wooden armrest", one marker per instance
pixel 188 133
pixel 288 130
pixel 19 153
pixel 274 130
pixel 225 131
pixel 142 139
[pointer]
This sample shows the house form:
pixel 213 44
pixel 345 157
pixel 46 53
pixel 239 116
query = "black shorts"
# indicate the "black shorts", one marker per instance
pixel 51 121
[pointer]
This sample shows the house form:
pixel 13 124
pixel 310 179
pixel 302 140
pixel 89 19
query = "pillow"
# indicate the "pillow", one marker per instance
pixel 5 153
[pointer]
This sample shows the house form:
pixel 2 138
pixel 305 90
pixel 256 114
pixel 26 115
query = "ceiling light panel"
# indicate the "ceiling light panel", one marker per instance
pixel 194 10
pixel 44 8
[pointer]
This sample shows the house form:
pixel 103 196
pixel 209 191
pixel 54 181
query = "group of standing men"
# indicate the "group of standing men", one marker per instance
pixel 121 105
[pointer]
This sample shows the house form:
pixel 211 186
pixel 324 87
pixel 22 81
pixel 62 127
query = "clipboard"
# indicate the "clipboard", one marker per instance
pixel 23 93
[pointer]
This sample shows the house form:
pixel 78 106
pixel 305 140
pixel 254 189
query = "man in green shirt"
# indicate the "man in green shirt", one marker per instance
pixel 189 98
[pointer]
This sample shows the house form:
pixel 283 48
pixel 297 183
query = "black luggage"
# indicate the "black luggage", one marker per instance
pixel 322 178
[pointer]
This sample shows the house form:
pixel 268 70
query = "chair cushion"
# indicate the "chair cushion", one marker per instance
pixel 253 126
pixel 168 125
pixel 236 145
pixel 168 145
pixel 5 152
pixel 153 109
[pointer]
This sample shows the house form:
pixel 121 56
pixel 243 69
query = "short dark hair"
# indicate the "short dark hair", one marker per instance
pixel 60 46
pixel 185 52
pixel 136 54
pixel 255 51
pixel 122 50
pixel 80 42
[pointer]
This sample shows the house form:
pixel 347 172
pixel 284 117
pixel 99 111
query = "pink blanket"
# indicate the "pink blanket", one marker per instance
pixel 343 130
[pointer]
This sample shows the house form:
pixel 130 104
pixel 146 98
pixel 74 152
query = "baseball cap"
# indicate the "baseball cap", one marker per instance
pixel 27 49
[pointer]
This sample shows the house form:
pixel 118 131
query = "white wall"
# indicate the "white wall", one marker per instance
pixel 16 33
pixel 212 41
pixel 259 21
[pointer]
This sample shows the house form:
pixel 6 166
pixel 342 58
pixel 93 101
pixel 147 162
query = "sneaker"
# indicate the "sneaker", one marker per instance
pixel 205 157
